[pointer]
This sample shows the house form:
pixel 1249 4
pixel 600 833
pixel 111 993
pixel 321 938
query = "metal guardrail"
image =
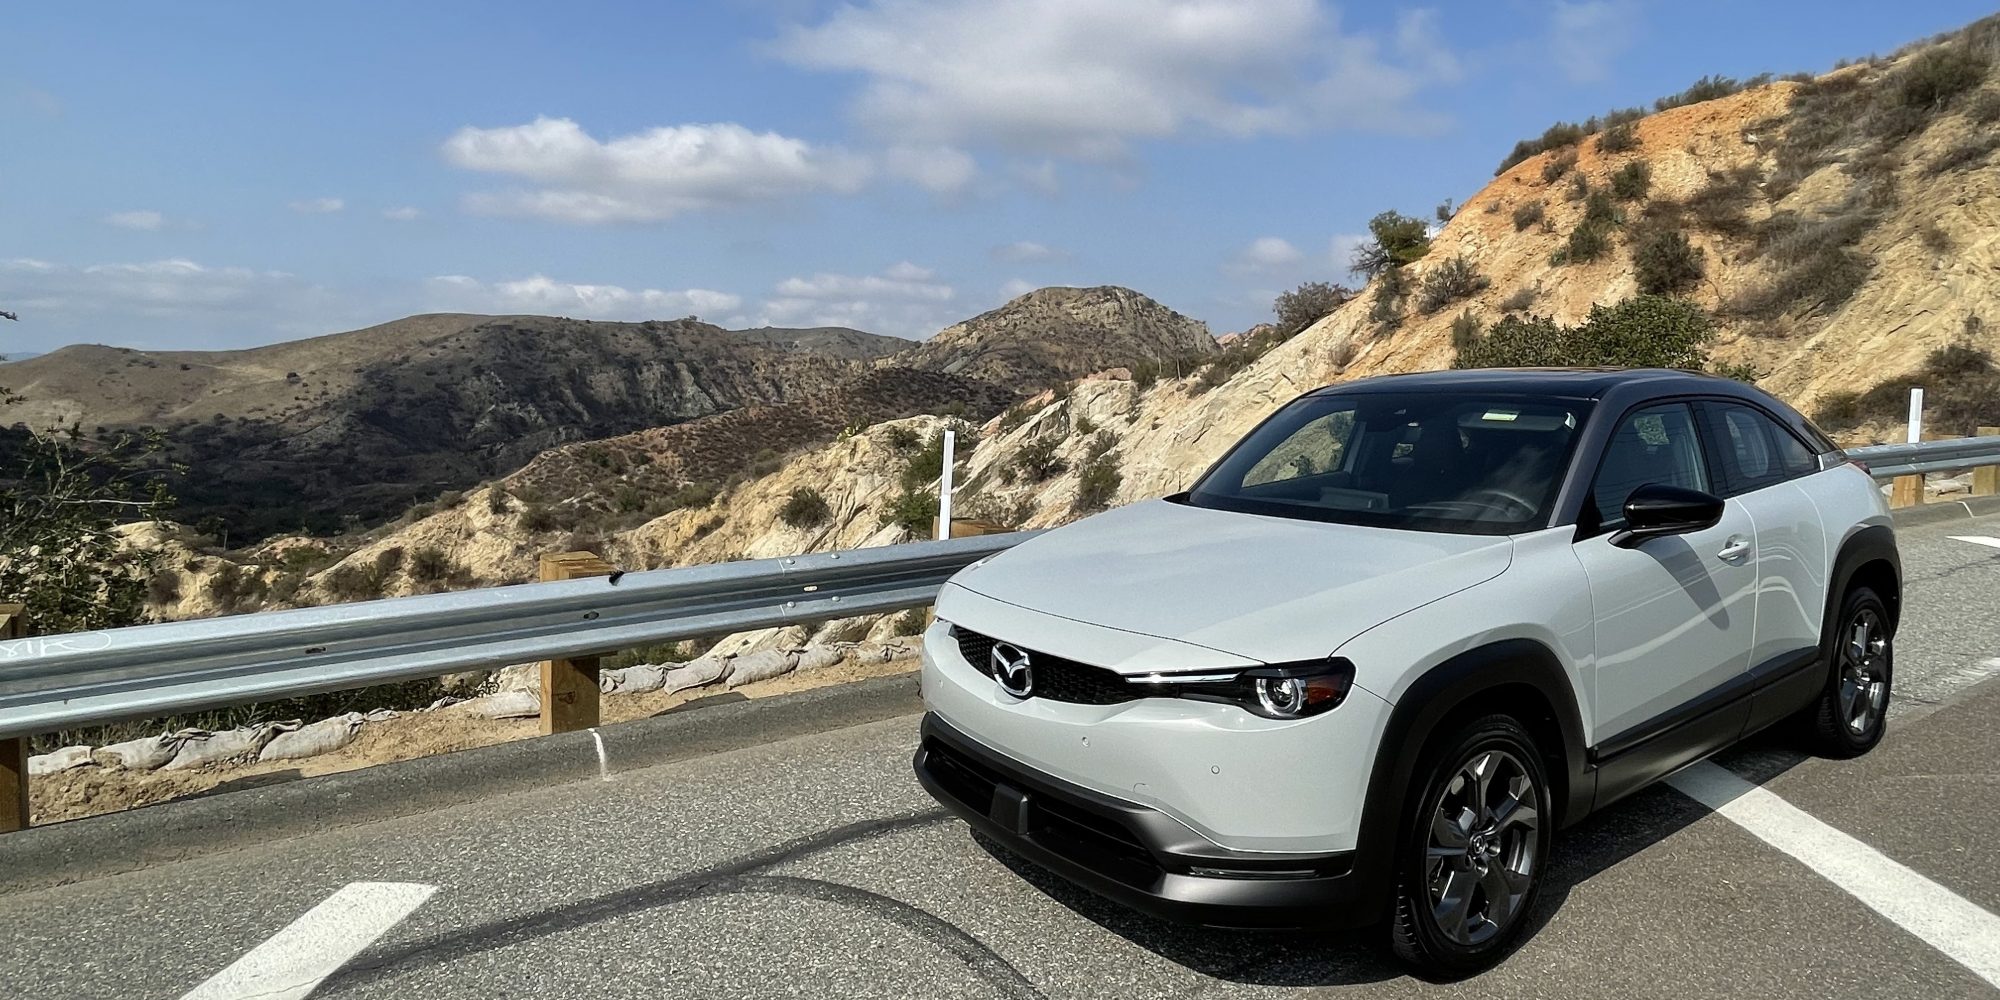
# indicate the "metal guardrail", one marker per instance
pixel 1887 461
pixel 48 683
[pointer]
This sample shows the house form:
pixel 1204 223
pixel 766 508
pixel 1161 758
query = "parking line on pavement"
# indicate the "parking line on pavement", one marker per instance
pixel 1977 539
pixel 1937 916
pixel 297 959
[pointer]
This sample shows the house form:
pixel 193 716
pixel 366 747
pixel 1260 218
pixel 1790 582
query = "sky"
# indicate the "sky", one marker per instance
pixel 220 175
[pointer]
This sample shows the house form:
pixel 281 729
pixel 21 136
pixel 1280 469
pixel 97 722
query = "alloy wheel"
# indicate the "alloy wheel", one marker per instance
pixel 1864 672
pixel 1481 858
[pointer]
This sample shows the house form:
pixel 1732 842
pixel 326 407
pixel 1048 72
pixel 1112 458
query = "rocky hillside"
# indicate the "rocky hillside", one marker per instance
pixel 1843 230
pixel 357 426
pixel 1055 334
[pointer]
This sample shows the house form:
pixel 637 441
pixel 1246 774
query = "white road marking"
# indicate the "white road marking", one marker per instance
pixel 1935 915
pixel 1976 539
pixel 297 959
pixel 603 763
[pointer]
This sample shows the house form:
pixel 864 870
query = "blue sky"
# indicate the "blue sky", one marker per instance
pixel 207 175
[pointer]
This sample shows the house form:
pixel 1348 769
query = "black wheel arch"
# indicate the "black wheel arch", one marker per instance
pixel 1519 677
pixel 1867 557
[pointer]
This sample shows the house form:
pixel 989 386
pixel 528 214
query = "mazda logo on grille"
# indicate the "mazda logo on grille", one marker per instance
pixel 1010 669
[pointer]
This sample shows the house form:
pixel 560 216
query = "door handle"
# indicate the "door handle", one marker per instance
pixel 1736 549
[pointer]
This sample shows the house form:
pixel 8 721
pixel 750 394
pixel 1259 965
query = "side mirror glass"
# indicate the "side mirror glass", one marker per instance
pixel 1657 509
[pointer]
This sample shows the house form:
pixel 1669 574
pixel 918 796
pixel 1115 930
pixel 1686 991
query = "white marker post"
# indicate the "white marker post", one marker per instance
pixel 1916 416
pixel 944 487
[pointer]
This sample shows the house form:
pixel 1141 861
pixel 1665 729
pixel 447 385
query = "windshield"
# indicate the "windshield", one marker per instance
pixel 1431 461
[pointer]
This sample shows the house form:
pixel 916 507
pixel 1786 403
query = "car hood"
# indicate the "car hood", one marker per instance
pixel 1265 588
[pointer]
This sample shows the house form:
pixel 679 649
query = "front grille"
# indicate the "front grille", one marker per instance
pixel 1055 678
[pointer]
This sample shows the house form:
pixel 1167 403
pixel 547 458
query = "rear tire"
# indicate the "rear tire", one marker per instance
pixel 1476 837
pixel 1852 712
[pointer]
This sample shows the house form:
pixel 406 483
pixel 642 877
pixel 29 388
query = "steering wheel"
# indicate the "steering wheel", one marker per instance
pixel 1508 501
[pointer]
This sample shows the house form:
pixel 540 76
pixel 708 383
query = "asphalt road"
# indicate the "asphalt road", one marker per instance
pixel 813 866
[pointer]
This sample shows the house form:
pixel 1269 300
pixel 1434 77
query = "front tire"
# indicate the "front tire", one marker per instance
pixel 1852 712
pixel 1477 833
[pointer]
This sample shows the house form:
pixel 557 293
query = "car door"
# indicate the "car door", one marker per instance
pixel 1675 614
pixel 1762 467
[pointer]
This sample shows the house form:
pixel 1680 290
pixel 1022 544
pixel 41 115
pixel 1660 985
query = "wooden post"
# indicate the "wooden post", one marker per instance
pixel 569 687
pixel 1986 478
pixel 1907 491
pixel 13 751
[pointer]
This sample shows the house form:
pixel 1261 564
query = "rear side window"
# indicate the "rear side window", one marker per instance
pixel 1754 450
pixel 1656 444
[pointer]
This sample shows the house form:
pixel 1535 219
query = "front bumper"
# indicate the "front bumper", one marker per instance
pixel 1131 853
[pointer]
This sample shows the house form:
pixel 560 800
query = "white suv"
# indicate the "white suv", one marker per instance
pixel 1399 635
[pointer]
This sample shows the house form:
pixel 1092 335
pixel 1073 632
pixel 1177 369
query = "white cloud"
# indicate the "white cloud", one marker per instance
pixel 143 218
pixel 1267 253
pixel 1585 38
pixel 1028 251
pixel 401 213
pixel 541 295
pixel 143 301
pixel 317 206
pixel 904 300
pixel 937 169
pixel 647 176
pixel 1085 78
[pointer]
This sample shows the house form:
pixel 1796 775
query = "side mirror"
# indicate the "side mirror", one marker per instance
pixel 1657 509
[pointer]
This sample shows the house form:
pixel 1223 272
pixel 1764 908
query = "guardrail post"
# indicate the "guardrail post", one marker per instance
pixel 569 687
pixel 1986 478
pixel 13 752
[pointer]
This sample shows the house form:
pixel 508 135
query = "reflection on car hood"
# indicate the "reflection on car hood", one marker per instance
pixel 1267 588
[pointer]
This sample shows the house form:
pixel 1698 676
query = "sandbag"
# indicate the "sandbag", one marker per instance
pixel 759 666
pixel 519 677
pixel 819 658
pixel 321 737
pixel 505 705
pixel 696 673
pixel 641 679
pixel 58 761
pixel 205 747
pixel 148 753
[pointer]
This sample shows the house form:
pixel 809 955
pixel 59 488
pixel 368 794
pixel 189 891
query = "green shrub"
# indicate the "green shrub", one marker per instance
pixel 805 508
pixel 1394 240
pixel 1589 241
pixel 1099 445
pixel 1449 281
pixel 538 518
pixel 1721 204
pixel 1646 331
pixel 305 558
pixel 1631 181
pixel 1665 263
pixel 666 652
pixel 1015 416
pixel 163 587
pixel 1600 208
pixel 1578 189
pixel 1961 392
pixel 1709 88
pixel 349 582
pixel 1307 304
pixel 1527 214
pixel 498 503
pixel 388 561
pixel 1085 425
pixel 1620 138
pixel 1465 331
pixel 1097 484
pixel 903 438
pixel 1145 374
pixel 915 512
pixel 1557 165
pixel 1391 288
pixel 1933 77
pixel 628 499
pixel 1823 282
pixel 1037 461
pixel 431 565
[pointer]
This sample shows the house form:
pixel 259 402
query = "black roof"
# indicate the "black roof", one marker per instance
pixel 1574 383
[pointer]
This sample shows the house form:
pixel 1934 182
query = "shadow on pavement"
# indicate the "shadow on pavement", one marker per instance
pixel 1349 957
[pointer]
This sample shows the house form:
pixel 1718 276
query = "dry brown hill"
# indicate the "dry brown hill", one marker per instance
pixel 1053 334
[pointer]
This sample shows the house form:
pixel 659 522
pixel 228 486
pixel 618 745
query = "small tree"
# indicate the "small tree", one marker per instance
pixel 1307 304
pixel 1449 281
pixel 58 506
pixel 805 508
pixel 1394 239
pixel 1665 263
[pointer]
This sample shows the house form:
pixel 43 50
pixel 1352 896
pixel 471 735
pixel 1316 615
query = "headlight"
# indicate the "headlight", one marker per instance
pixel 1279 691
